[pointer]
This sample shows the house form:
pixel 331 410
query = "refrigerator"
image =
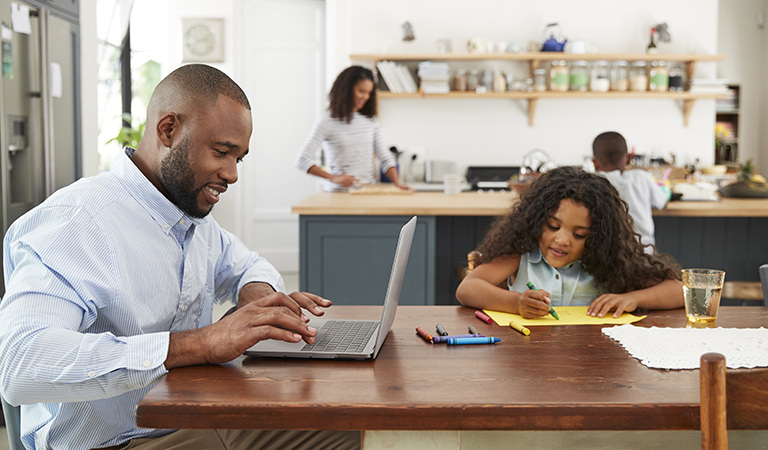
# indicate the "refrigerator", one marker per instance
pixel 39 104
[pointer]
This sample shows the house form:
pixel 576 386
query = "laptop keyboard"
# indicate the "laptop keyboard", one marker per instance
pixel 342 336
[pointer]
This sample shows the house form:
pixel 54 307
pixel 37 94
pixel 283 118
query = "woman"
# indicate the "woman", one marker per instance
pixel 349 132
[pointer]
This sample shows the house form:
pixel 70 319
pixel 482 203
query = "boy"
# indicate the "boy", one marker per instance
pixel 636 187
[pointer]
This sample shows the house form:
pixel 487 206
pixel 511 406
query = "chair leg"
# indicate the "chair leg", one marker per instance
pixel 714 432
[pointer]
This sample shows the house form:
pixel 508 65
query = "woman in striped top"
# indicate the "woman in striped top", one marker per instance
pixel 349 133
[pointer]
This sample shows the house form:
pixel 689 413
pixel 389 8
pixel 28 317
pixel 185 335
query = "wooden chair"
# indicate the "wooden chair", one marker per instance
pixel 736 401
pixel 764 282
pixel 12 415
pixel 745 291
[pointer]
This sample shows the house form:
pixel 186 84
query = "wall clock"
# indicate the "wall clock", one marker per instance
pixel 202 40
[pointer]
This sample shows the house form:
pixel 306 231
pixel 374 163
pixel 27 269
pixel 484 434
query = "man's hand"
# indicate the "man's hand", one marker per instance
pixel 274 316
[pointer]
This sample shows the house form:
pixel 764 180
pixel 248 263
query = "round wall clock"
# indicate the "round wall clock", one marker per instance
pixel 202 40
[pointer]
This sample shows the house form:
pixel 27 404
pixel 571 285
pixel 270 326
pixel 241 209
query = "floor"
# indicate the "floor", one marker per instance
pixel 291 285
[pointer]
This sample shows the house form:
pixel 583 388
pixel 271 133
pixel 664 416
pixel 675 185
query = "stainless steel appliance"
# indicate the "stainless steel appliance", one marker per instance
pixel 434 171
pixel 39 108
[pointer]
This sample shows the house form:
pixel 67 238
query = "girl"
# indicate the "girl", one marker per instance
pixel 350 134
pixel 571 235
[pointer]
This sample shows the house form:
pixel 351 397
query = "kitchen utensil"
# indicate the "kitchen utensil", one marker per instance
pixel 553 40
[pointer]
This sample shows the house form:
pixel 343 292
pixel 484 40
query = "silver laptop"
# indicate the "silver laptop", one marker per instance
pixel 348 338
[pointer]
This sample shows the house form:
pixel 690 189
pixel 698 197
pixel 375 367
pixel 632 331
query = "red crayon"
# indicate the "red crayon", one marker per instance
pixel 482 316
pixel 427 337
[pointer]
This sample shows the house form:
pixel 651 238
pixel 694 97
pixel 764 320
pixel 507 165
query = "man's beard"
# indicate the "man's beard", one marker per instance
pixel 178 178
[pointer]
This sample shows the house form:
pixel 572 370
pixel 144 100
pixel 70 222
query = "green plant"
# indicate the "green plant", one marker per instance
pixel 130 136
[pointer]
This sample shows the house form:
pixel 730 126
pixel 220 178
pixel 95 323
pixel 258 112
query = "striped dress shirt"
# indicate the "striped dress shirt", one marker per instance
pixel 348 147
pixel 97 277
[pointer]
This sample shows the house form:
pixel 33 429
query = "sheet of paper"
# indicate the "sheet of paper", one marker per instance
pixel 20 18
pixel 569 315
pixel 55 80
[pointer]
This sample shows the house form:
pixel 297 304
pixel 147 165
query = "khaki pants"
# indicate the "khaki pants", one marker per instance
pixel 248 440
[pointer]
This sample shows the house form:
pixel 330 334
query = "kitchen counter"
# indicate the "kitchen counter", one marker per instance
pixel 347 241
pixel 487 204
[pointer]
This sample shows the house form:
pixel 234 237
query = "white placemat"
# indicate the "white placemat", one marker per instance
pixel 681 348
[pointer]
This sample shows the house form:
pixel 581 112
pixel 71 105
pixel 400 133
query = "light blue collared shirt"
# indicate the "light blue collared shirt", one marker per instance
pixel 570 285
pixel 97 277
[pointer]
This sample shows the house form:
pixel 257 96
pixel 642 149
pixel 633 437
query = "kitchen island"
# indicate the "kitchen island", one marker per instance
pixel 347 241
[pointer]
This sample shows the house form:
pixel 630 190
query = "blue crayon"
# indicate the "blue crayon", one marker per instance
pixel 473 340
pixel 443 339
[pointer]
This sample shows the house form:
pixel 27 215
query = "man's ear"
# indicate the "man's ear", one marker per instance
pixel 167 128
pixel 598 166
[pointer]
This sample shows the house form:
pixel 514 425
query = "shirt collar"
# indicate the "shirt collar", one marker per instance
pixel 162 210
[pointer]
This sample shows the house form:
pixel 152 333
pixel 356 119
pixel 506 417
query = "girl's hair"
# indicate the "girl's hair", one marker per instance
pixel 342 96
pixel 613 254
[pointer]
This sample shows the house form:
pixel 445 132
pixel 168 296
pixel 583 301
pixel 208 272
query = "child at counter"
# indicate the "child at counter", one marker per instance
pixel 636 187
pixel 570 234
pixel 349 132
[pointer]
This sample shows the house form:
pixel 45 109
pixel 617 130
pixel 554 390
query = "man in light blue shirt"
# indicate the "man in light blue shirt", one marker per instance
pixel 110 282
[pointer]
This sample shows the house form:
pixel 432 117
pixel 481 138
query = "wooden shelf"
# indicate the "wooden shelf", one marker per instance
pixel 535 59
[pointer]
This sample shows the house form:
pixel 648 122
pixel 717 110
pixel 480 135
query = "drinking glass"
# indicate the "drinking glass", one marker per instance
pixel 702 289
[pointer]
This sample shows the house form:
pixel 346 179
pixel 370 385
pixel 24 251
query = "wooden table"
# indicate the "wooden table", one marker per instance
pixel 558 378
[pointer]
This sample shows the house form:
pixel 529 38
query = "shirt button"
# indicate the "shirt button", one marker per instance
pixel 183 307
pixel 557 276
pixel 165 226
pixel 91 374
pixel 146 363
pixel 182 221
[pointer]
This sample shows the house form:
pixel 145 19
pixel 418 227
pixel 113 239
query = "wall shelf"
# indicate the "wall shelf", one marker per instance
pixel 535 59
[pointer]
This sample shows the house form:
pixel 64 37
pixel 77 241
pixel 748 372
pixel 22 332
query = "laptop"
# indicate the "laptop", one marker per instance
pixel 349 338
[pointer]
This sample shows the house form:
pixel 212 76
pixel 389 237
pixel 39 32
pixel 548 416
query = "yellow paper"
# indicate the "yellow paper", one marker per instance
pixel 569 315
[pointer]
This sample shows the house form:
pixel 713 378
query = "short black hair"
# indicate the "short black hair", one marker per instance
pixel 208 83
pixel 610 148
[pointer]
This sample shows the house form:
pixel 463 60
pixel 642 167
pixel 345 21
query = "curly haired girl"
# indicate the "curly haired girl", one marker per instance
pixel 571 235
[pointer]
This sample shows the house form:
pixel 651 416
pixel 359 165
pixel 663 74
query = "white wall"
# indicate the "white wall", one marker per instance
pixel 88 103
pixel 746 45
pixel 495 131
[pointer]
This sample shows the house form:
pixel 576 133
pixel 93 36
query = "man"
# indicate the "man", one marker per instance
pixel 636 187
pixel 110 283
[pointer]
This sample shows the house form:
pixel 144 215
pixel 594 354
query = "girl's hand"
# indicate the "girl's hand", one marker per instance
pixel 404 187
pixel 607 302
pixel 344 180
pixel 534 304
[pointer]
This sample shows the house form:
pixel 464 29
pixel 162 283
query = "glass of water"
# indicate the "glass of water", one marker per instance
pixel 702 289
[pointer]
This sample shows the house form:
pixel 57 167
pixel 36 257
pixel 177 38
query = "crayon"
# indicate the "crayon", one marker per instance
pixel 473 330
pixel 427 337
pixel 482 316
pixel 551 309
pixel 520 328
pixel 440 330
pixel 473 340
pixel 444 339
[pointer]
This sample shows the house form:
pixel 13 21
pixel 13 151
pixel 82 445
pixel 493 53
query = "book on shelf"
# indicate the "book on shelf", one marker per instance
pixel 397 77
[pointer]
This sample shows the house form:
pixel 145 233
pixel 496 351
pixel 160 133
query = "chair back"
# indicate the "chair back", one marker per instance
pixel 12 416
pixel 736 400
pixel 764 282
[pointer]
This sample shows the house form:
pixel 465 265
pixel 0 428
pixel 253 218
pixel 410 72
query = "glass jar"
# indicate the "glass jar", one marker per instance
pixel 540 80
pixel 599 81
pixel 658 77
pixel 473 79
pixel 638 77
pixel 619 80
pixel 460 81
pixel 558 76
pixel 676 74
pixel 579 76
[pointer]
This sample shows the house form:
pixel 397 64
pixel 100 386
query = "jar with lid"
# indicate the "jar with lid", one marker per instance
pixel 676 74
pixel 638 78
pixel 558 76
pixel 658 77
pixel 599 81
pixel 579 77
pixel 460 80
pixel 540 80
pixel 473 79
pixel 619 80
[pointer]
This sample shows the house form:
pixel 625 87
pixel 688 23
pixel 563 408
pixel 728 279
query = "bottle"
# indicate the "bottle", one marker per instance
pixel 558 76
pixel 652 46
pixel 638 78
pixel 599 81
pixel 658 77
pixel 540 80
pixel 460 81
pixel 619 80
pixel 473 79
pixel 499 82
pixel 676 78
pixel 579 77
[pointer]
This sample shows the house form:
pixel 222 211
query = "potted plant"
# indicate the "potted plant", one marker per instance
pixel 748 184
